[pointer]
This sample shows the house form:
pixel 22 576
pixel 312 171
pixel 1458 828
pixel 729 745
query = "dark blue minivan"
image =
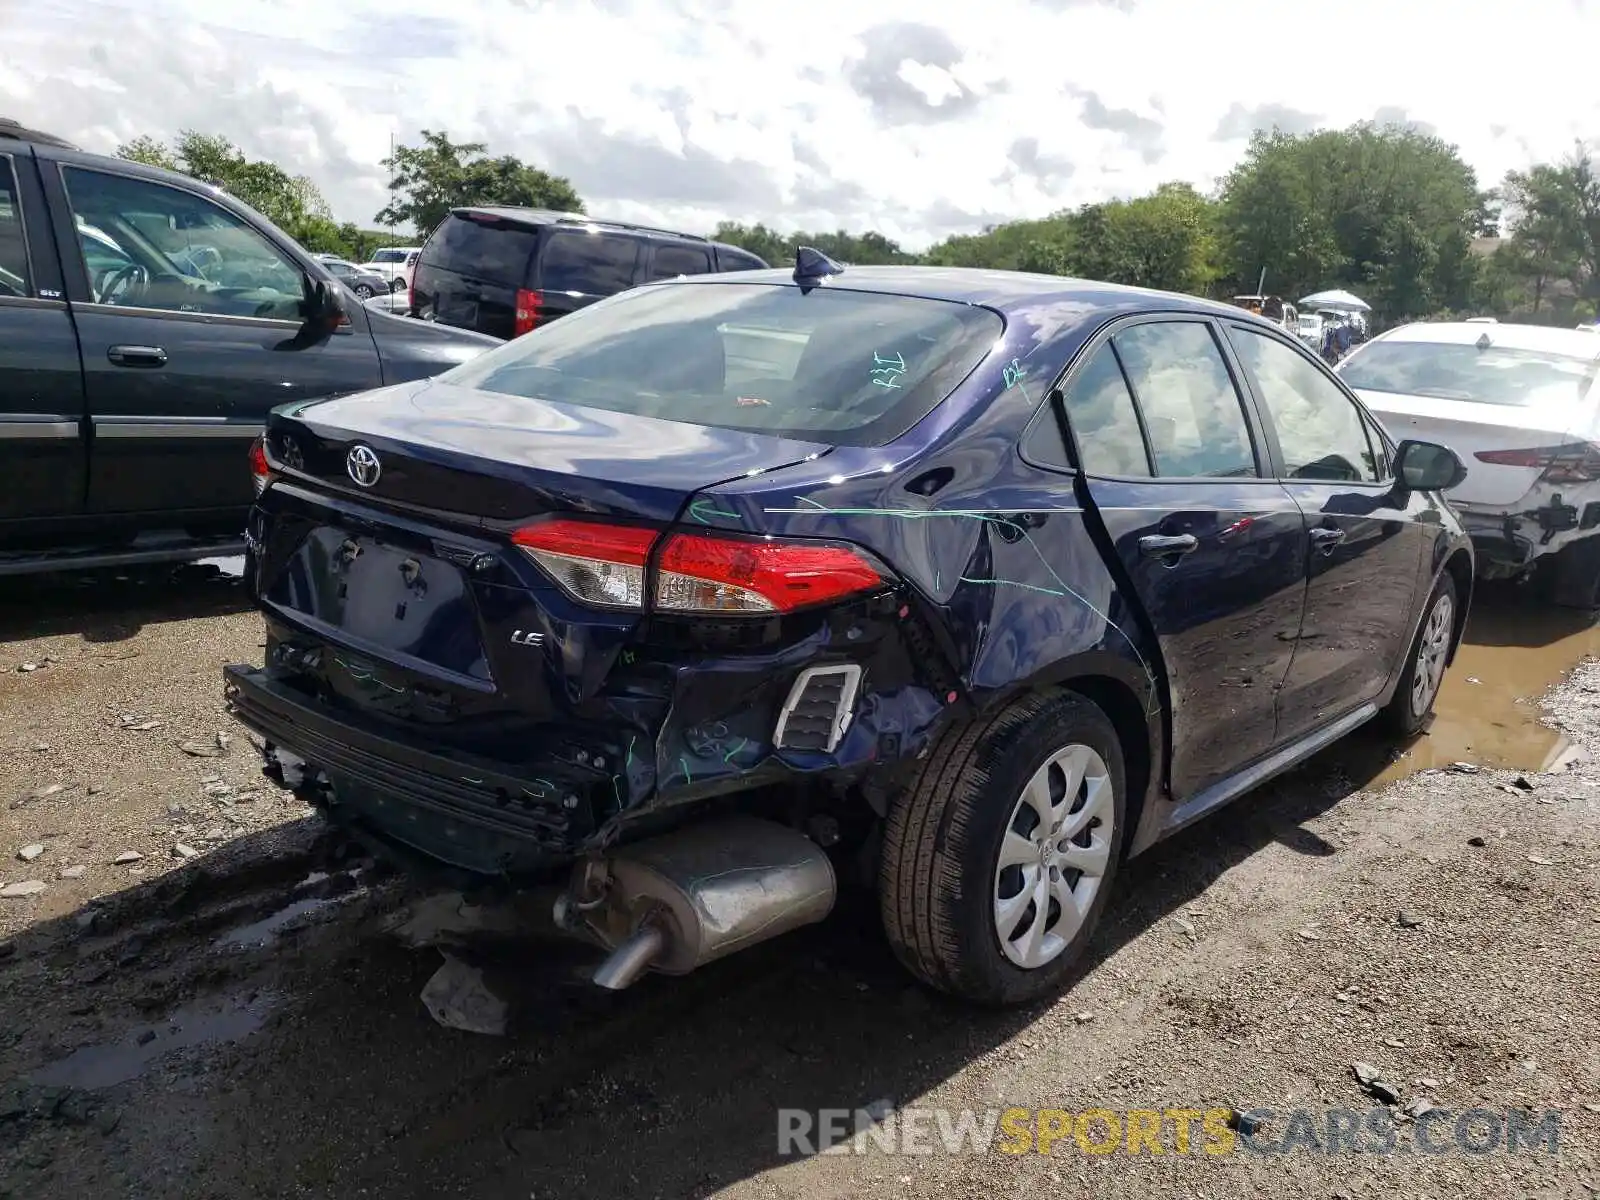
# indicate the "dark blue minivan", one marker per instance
pixel 724 585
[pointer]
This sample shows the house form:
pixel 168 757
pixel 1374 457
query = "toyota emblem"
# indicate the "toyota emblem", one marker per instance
pixel 363 465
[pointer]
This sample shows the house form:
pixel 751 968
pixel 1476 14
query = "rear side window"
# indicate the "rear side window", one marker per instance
pixel 847 368
pixel 592 264
pixel 671 260
pixel 737 260
pixel 1464 372
pixel 1190 405
pixel 1104 423
pixel 496 251
pixel 14 279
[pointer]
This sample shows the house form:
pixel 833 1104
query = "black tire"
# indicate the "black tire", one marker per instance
pixel 942 842
pixel 363 291
pixel 396 284
pixel 1571 577
pixel 1410 708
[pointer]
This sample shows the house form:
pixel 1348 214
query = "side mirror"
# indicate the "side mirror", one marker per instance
pixel 1428 467
pixel 325 310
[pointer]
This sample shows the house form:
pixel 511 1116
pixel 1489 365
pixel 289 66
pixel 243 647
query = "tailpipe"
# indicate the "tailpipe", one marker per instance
pixel 676 902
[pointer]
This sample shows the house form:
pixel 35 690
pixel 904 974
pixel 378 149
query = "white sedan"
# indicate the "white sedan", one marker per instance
pixel 1519 405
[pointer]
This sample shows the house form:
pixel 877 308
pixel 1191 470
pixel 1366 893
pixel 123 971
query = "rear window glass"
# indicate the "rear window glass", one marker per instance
pixel 498 252
pixel 847 368
pixel 1464 372
pixel 592 264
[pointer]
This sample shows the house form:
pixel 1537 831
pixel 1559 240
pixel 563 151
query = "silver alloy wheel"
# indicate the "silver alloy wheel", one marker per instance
pixel 1054 856
pixel 363 291
pixel 1432 649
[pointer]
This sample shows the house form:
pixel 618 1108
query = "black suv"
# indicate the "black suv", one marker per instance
pixel 148 322
pixel 502 271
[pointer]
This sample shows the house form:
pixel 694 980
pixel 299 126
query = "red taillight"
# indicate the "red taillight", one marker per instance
pixel 411 296
pixel 605 565
pixel 260 469
pixel 1575 462
pixel 528 306
pixel 713 574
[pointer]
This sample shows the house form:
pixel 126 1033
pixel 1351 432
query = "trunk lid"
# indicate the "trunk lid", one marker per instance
pixel 1467 427
pixel 425 611
pixel 491 458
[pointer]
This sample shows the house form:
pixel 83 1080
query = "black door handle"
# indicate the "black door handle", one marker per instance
pixel 137 356
pixel 1325 538
pixel 1159 546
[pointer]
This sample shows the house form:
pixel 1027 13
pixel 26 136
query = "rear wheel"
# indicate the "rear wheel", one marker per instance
pixel 363 291
pixel 1419 684
pixel 396 284
pixel 998 860
pixel 1572 575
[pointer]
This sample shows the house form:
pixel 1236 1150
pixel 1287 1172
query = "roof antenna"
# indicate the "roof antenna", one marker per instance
pixel 813 267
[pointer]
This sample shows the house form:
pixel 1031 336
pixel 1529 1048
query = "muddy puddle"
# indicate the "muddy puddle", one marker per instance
pixel 106 1064
pixel 1488 709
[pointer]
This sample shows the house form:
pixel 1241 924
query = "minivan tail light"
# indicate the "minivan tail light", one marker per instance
pixel 607 566
pixel 1574 462
pixel 260 469
pixel 528 306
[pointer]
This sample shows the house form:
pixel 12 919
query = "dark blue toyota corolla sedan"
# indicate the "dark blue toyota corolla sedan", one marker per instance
pixel 974 582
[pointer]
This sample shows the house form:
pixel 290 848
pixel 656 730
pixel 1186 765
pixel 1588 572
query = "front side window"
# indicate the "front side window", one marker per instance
pixel 1101 413
pixel 1191 408
pixel 671 261
pixel 831 365
pixel 590 264
pixel 14 279
pixel 1320 431
pixel 147 245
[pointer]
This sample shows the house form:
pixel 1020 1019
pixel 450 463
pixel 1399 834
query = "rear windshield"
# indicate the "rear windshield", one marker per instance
pixel 498 251
pixel 1464 372
pixel 829 365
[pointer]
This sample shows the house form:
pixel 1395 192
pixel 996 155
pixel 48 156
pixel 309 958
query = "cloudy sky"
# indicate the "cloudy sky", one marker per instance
pixel 920 118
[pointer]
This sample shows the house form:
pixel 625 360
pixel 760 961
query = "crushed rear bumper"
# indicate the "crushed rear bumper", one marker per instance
pixel 462 810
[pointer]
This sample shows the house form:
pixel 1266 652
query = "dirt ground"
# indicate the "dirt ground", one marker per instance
pixel 232 1014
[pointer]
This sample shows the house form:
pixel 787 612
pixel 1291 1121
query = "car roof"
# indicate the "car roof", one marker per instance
pixel 1540 338
pixel 1004 291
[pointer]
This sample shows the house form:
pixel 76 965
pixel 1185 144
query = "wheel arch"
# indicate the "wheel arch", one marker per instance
pixel 1132 702
pixel 1459 564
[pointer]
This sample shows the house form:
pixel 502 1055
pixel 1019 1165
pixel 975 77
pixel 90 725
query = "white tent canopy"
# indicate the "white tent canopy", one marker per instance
pixel 1337 300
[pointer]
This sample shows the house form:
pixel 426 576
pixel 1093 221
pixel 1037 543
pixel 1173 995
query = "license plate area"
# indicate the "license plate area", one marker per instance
pixel 384 597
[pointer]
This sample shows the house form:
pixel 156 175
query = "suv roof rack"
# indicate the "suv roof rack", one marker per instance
pixel 12 128
pixel 578 219
pixel 547 216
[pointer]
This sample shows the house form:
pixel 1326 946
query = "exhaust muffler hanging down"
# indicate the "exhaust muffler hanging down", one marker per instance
pixel 679 901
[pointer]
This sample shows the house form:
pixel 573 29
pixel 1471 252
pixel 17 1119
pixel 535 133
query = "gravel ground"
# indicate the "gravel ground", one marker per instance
pixel 245 1022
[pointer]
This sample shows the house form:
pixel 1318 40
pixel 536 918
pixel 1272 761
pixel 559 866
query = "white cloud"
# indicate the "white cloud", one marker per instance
pixel 916 119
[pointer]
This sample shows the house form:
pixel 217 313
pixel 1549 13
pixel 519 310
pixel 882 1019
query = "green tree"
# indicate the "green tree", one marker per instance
pixel 1165 240
pixel 149 151
pixel 865 249
pixel 431 179
pixel 1386 211
pixel 1555 212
